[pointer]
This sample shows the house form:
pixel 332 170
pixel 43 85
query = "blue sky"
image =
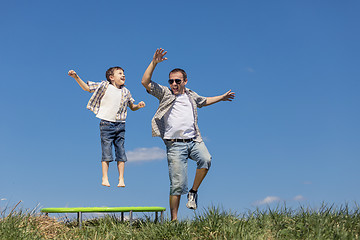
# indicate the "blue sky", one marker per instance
pixel 291 135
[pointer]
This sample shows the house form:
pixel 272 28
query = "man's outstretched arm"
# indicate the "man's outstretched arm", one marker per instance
pixel 157 58
pixel 228 96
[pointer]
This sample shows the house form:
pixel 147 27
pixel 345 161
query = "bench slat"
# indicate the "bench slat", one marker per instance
pixel 102 209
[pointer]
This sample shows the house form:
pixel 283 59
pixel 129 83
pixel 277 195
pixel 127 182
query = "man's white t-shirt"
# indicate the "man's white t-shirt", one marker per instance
pixel 110 104
pixel 179 120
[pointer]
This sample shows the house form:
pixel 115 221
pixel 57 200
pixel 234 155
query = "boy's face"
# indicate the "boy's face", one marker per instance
pixel 118 78
pixel 177 88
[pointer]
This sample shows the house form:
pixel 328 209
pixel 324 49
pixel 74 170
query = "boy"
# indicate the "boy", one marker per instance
pixel 109 102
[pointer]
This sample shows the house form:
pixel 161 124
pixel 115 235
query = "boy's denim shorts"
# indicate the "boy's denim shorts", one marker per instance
pixel 177 155
pixel 112 133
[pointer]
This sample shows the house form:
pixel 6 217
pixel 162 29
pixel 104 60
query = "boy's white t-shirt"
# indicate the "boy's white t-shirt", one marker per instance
pixel 179 120
pixel 110 104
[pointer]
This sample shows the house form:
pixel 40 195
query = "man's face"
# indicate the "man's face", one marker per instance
pixel 177 88
pixel 118 79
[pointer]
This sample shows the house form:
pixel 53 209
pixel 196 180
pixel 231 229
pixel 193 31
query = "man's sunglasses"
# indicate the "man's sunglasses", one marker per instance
pixel 171 81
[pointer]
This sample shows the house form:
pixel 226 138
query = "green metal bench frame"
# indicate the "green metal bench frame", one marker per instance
pixel 80 210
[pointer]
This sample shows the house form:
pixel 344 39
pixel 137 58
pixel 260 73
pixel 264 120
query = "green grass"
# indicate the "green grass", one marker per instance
pixel 327 222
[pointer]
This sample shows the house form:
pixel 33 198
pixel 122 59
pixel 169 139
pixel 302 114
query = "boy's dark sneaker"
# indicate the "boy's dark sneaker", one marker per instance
pixel 192 200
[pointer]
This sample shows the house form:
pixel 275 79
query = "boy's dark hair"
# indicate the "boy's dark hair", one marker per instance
pixel 110 72
pixel 179 70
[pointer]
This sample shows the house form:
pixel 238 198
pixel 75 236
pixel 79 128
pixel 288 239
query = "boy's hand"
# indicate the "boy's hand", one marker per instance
pixel 228 96
pixel 81 83
pixel 159 56
pixel 72 73
pixel 141 104
pixel 135 107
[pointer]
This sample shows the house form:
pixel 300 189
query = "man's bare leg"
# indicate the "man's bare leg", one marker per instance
pixel 105 168
pixel 199 177
pixel 174 206
pixel 121 167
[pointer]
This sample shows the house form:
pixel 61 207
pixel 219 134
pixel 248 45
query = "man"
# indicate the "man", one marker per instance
pixel 175 121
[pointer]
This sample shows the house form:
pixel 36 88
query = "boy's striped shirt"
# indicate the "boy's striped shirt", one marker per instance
pixel 99 88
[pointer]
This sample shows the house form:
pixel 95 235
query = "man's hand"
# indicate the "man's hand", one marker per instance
pixel 159 56
pixel 228 96
pixel 72 73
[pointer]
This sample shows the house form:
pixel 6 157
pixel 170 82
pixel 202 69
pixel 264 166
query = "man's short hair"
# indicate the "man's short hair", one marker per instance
pixel 179 70
pixel 110 72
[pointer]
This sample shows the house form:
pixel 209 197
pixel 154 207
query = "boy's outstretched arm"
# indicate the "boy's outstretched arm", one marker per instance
pixel 228 96
pixel 81 83
pixel 157 58
pixel 135 107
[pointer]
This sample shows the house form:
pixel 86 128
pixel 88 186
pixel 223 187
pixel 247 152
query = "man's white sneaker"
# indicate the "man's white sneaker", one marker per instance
pixel 192 200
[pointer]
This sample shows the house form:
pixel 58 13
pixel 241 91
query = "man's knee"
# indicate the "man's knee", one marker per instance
pixel 178 190
pixel 201 155
pixel 204 163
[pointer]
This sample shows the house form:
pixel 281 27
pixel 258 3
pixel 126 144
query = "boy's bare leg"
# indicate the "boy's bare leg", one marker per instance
pixel 121 167
pixel 199 177
pixel 174 206
pixel 105 168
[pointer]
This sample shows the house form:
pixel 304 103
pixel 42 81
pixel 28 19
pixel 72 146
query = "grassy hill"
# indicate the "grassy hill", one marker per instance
pixel 327 222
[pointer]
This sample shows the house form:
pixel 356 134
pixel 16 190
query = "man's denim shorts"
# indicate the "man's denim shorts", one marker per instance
pixel 112 133
pixel 177 155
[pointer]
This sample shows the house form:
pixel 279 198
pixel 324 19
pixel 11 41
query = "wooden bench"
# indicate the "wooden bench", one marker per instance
pixel 80 210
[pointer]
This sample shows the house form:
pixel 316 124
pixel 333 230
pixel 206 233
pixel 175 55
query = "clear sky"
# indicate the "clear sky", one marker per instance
pixel 291 135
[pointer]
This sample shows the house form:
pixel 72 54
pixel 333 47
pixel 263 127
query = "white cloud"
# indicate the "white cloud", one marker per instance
pixel 3 199
pixel 146 154
pixel 249 69
pixel 299 198
pixel 267 200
